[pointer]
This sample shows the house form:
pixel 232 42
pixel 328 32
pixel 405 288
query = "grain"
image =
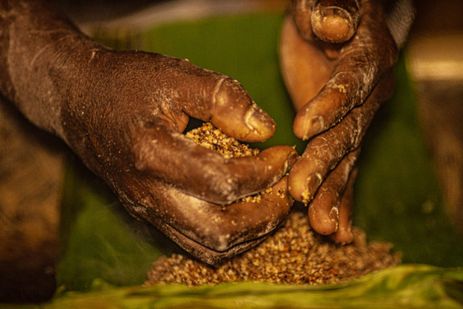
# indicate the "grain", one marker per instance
pixel 293 255
pixel 214 139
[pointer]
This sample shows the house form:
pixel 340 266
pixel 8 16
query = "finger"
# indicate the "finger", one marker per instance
pixel 237 115
pixel 301 12
pixel 221 100
pixel 203 173
pixel 361 65
pixel 344 233
pixel 325 151
pixel 209 232
pixel 305 69
pixel 335 21
pixel 323 212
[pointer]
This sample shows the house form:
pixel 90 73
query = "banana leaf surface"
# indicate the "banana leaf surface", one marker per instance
pixel 106 254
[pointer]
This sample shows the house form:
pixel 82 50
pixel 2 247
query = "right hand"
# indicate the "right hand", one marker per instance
pixel 125 119
pixel 124 113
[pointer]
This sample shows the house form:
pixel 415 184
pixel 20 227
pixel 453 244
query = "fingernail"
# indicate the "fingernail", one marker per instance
pixel 336 12
pixel 314 181
pixel 317 124
pixel 333 24
pixel 311 127
pixel 321 221
pixel 258 121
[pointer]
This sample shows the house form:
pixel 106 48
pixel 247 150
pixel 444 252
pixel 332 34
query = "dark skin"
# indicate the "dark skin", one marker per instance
pixel 336 89
pixel 123 114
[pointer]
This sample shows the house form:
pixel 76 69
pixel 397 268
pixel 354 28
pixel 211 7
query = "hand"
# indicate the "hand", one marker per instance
pixel 336 89
pixel 125 120
pixel 209 232
pixel 123 113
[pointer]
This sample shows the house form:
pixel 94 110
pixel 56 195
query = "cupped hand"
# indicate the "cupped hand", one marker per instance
pixel 209 232
pixel 126 121
pixel 336 59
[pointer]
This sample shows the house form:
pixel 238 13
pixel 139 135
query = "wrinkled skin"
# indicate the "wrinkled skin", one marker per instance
pixel 187 191
pixel 123 114
pixel 336 90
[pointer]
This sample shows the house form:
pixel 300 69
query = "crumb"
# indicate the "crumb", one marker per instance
pixel 305 197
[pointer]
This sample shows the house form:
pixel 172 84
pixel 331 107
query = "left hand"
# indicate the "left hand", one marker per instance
pixel 336 89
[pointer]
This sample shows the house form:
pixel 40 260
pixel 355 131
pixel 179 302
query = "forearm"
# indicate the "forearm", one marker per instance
pixel 41 56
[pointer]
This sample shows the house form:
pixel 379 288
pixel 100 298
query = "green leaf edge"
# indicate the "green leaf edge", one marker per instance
pixel 410 286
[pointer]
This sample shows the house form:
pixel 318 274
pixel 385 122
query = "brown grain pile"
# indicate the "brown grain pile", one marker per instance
pixel 293 255
pixel 214 139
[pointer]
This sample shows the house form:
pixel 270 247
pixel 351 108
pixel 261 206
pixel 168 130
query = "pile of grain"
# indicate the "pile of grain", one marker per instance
pixel 293 255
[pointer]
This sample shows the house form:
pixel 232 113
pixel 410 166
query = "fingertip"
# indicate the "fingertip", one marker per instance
pixel 335 28
pixel 326 109
pixel 238 116
pixel 335 22
pixel 260 125
pixel 323 211
pixel 323 220
pixel 344 235
pixel 303 180
pixel 297 188
pixel 279 155
pixel 306 125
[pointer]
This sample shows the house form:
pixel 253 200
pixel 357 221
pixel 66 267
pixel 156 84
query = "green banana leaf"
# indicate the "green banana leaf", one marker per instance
pixel 397 197
pixel 411 286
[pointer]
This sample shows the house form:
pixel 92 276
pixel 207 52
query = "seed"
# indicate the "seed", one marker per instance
pixel 214 139
pixel 293 255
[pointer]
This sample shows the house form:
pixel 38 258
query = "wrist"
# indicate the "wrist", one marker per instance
pixel 41 60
